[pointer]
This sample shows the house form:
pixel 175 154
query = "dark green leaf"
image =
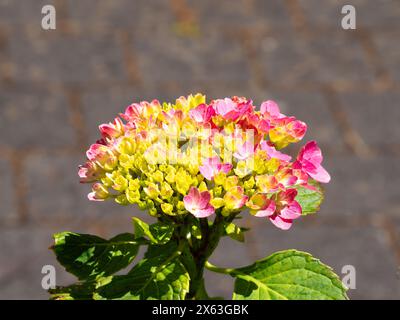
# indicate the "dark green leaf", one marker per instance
pixel 160 275
pixel 157 233
pixel 87 256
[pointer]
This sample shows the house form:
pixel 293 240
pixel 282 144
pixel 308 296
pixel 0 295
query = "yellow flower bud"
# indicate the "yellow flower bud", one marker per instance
pixel 180 206
pixel 153 212
pixel 202 186
pixel 126 145
pixel 106 181
pixel 167 208
pixel 170 177
pixel 272 165
pixel 126 161
pixel 120 183
pixel 242 169
pixel 217 202
pixel 183 181
pixel 249 183
pixel 134 184
pixel 142 205
pixel 230 182
pixel 217 191
pixel 166 191
pixel 220 178
pixel 122 200
pixel 133 196
pixel 152 190
pixel 158 176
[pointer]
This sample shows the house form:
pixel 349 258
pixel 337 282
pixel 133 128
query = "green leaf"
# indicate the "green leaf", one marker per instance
pixel 157 233
pixel 87 256
pixel 235 232
pixel 289 274
pixel 78 291
pixel 160 275
pixel 310 200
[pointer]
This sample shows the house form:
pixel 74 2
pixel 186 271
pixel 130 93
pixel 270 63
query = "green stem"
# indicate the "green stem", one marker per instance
pixel 214 268
pixel 210 239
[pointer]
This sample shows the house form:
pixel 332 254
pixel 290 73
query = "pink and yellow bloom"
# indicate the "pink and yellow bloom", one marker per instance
pixel 203 158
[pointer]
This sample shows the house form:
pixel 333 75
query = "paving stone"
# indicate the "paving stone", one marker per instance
pixel 371 14
pixel 60 58
pixel 222 14
pixel 235 15
pixel 365 248
pixel 32 117
pixel 374 116
pixel 361 187
pixel 54 193
pixel 329 58
pixel 322 14
pixel 23 12
pixel 274 13
pixel 8 211
pixel 188 61
pixel 117 13
pixel 389 52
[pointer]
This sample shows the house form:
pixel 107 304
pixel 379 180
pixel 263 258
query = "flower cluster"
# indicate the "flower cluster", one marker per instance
pixel 200 158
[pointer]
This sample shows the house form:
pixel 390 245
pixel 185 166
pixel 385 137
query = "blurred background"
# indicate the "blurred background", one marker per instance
pixel 57 86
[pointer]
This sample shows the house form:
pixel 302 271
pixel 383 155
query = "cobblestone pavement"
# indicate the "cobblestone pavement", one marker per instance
pixel 57 86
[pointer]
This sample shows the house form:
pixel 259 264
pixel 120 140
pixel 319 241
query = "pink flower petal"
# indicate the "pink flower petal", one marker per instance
pixel 207 171
pixel 204 200
pixel 225 167
pixel 212 166
pixel 309 160
pixel 268 211
pixel 280 222
pixel 204 213
pixel 198 203
pixel 291 211
pixel 202 113
pixel 273 153
pixel 320 174
pixel 311 152
pixel 272 108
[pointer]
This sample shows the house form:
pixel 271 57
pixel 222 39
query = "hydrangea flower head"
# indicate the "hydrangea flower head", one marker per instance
pixel 200 158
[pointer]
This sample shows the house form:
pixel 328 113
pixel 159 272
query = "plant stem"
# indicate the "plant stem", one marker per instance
pixel 214 268
pixel 210 239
